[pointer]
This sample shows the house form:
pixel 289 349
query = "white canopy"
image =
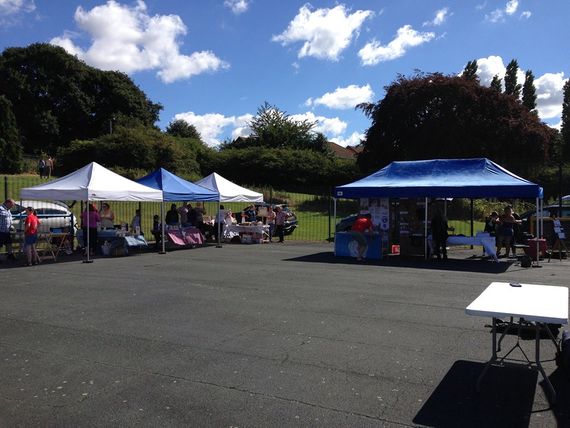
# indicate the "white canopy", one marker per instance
pixel 93 182
pixel 229 192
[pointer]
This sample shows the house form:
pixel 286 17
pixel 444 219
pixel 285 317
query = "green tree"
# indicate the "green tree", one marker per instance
pixel 565 128
pixel 496 84
pixel 435 116
pixel 511 86
pixel 10 146
pixel 470 71
pixel 57 98
pixel 181 128
pixel 134 151
pixel 529 91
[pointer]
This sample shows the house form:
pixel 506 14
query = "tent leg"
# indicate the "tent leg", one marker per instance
pixel 426 230
pixel 88 247
pixel 219 244
pixel 163 227
pixel 334 218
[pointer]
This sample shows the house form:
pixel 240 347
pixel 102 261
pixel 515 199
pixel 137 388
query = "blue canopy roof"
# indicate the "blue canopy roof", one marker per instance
pixel 175 188
pixel 453 178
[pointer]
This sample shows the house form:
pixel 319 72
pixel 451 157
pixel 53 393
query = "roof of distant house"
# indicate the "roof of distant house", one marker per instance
pixel 349 152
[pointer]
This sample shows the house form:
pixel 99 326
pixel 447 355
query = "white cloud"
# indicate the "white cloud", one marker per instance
pixel 373 52
pixel 499 15
pixel 237 6
pixel 440 17
pixel 325 125
pixel 549 95
pixel 353 139
pixel 344 98
pixel 549 86
pixel 526 14
pixel 128 39
pixel 11 7
pixel 511 7
pixel 213 126
pixel 325 32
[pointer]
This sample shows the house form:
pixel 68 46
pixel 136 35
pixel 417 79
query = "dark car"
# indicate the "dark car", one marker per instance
pixel 345 224
pixel 290 224
pixel 529 220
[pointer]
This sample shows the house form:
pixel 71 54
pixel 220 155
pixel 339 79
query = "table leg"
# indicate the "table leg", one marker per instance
pixel 539 365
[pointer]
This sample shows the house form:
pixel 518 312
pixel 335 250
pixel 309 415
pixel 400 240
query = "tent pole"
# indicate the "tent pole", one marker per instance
pixel 538 231
pixel 163 227
pixel 334 217
pixel 426 230
pixel 219 224
pixel 88 248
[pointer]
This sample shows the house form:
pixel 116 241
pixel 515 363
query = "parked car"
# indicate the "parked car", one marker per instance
pixel 51 215
pixel 345 224
pixel 290 224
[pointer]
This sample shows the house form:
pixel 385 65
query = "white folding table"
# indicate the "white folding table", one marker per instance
pixel 538 304
pixel 486 241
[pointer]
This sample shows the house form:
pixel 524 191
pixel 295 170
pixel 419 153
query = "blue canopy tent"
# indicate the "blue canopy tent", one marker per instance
pixel 441 178
pixel 175 188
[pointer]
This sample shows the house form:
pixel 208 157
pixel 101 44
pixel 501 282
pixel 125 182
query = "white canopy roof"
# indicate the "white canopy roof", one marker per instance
pixel 229 192
pixel 93 182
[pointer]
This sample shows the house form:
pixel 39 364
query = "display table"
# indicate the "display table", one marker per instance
pixel 538 304
pixel 346 246
pixel 484 240
pixel 248 233
pixel 181 236
pixel 115 242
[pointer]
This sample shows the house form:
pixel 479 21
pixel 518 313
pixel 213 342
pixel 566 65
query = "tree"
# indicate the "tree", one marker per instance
pixel 10 146
pixel 181 128
pixel 511 86
pixel 57 98
pixel 565 128
pixel 470 71
pixel 529 91
pixel 496 84
pixel 435 116
pixel 274 128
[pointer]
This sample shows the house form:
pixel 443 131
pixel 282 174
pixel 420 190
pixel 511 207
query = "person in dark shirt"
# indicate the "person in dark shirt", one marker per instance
pixel 172 216
pixel 439 234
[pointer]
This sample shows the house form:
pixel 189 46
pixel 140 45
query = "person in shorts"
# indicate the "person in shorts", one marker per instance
pixel 31 237
pixel 361 226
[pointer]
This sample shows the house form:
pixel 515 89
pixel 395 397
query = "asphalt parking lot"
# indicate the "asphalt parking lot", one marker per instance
pixel 263 336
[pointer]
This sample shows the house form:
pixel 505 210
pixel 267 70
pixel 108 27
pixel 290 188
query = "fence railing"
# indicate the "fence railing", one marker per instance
pixel 314 212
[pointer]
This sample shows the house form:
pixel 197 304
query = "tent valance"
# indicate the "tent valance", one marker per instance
pixel 453 178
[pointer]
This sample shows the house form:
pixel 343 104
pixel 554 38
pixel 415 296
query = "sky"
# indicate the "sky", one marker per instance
pixel 214 63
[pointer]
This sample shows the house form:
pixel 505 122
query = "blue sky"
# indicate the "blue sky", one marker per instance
pixel 215 62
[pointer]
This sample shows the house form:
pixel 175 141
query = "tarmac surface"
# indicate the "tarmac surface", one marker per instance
pixel 269 335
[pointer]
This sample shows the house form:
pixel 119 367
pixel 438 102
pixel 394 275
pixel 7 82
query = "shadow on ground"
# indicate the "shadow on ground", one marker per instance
pixel 462 265
pixel 560 380
pixel 505 400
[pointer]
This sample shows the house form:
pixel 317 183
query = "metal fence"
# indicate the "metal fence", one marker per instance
pixel 314 211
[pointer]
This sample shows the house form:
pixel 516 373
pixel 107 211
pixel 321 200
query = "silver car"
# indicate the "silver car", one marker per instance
pixel 52 215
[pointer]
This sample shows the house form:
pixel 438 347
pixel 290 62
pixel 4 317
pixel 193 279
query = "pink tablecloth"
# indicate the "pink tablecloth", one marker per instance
pixel 185 236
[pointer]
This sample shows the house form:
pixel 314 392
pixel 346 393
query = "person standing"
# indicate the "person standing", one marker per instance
pixel 280 217
pixel 361 226
pixel 107 216
pixel 439 234
pixel 220 223
pixel 5 225
pixel 31 225
pixel 172 216
pixel 136 223
pixel 41 167
pixel 91 216
pixel 183 212
pixel 270 221
pixel 49 167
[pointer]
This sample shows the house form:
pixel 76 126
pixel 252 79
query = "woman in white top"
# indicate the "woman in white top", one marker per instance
pixel 107 216
pixel 271 221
